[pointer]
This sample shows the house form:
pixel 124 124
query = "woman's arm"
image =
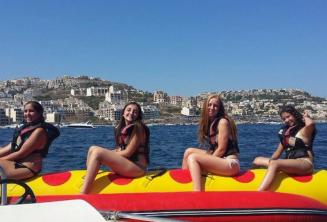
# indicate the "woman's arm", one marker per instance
pixel 309 125
pixel 5 150
pixel 37 140
pixel 223 136
pixel 134 143
pixel 278 152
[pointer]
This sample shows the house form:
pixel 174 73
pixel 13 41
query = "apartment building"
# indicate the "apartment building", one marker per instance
pixel 4 120
pixel 96 91
pixel 188 111
pixel 176 100
pixel 115 96
pixel 160 97
pixel 150 112
pixel 78 92
pixel 15 115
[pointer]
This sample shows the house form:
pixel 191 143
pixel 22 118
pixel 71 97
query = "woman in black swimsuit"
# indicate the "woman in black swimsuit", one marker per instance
pixel 296 139
pixel 131 155
pixel 22 158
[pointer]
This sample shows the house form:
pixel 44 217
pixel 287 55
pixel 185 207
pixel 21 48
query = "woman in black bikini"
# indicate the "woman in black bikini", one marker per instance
pixel 296 139
pixel 22 158
pixel 131 155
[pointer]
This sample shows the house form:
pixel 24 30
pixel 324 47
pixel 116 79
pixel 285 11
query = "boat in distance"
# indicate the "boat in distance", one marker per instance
pixel 81 125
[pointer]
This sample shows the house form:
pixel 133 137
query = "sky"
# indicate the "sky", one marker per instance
pixel 182 47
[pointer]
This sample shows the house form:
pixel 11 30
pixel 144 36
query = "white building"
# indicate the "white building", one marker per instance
pixel 52 117
pixel 188 111
pixel 78 92
pixel 150 112
pixel 16 115
pixel 115 96
pixel 96 91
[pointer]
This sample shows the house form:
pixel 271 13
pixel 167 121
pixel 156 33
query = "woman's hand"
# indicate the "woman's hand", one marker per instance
pixel 306 118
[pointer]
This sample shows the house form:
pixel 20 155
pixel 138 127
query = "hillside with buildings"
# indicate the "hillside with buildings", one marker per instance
pixel 77 99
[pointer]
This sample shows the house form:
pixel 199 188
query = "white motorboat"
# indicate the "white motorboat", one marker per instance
pixel 69 210
pixel 81 125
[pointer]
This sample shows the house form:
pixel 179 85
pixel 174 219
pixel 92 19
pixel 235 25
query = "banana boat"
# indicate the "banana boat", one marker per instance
pixel 168 193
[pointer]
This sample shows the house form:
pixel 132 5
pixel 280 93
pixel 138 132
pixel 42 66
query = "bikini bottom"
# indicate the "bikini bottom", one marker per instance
pixel 20 165
pixel 306 162
pixel 233 163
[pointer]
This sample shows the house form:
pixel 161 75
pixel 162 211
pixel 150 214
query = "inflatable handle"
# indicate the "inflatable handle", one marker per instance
pixel 150 177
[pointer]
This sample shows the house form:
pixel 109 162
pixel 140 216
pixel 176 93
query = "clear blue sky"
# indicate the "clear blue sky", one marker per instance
pixel 182 47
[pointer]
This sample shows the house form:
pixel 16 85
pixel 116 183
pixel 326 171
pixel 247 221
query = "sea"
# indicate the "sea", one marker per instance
pixel 167 144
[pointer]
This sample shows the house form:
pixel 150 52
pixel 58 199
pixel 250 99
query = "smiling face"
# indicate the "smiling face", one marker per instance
pixel 288 118
pixel 131 113
pixel 30 114
pixel 213 108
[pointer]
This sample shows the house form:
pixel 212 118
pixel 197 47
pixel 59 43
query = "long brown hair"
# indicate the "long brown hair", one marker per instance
pixel 204 123
pixel 138 122
pixel 291 110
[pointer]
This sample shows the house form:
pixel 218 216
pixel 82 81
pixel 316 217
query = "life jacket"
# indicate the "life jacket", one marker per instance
pixel 294 147
pixel 26 130
pixel 232 146
pixel 125 136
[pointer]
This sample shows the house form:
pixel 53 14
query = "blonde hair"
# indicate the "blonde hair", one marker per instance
pixel 204 124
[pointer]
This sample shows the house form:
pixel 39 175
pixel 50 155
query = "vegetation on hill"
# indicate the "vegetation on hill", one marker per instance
pixel 92 101
pixel 52 94
pixel 145 97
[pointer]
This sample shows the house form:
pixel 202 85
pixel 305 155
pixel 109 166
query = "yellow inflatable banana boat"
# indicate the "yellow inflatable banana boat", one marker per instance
pixel 175 180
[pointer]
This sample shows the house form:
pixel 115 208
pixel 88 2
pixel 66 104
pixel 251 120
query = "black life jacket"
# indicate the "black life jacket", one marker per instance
pixel 25 131
pixel 294 147
pixel 124 138
pixel 232 146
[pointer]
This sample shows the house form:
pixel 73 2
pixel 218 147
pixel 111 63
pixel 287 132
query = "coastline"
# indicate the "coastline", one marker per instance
pixel 178 121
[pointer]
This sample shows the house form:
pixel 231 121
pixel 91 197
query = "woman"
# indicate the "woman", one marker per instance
pixel 131 155
pixel 22 158
pixel 218 130
pixel 296 138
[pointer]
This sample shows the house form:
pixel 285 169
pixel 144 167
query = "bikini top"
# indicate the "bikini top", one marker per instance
pixel 232 146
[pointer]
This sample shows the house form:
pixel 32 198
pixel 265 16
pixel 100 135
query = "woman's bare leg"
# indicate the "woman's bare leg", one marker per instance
pixel 13 173
pixel 204 162
pixel 118 164
pixel 187 153
pixel 293 166
pixel 93 165
pixel 260 162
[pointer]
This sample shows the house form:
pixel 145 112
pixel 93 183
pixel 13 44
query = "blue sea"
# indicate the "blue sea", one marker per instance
pixel 168 143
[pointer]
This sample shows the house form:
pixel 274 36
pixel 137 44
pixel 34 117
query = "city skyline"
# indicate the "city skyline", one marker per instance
pixel 181 47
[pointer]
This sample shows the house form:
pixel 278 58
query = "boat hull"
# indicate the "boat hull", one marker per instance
pixel 207 206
